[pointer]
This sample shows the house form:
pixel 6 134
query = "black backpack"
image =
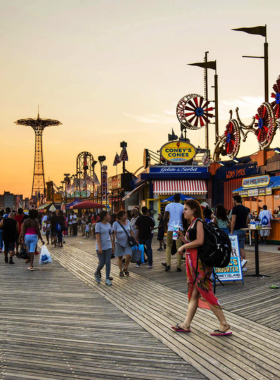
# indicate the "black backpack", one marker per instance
pixel 216 250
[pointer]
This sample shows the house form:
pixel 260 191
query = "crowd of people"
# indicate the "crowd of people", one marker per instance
pixel 117 234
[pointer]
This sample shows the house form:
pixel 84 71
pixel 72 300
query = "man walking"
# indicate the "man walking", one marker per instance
pixel 240 219
pixel 144 225
pixel 10 228
pixel 265 217
pixel 173 216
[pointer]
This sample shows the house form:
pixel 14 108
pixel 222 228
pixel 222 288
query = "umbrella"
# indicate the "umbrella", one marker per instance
pixel 87 205
pixel 171 199
pixel 73 203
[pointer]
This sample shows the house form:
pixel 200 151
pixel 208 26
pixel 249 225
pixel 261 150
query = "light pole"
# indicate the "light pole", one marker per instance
pixel 66 180
pixel 101 159
pixel 93 167
pixel 80 172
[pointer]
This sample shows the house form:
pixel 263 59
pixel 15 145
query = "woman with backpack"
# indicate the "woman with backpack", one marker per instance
pixel 200 292
pixel 221 218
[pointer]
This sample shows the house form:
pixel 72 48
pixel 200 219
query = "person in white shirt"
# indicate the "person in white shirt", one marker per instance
pixel 265 217
pixel 173 216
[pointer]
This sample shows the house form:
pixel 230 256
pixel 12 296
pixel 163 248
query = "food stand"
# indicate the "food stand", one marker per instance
pixel 259 191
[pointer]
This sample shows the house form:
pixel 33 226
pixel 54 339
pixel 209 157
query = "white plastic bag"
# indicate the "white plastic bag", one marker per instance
pixel 45 256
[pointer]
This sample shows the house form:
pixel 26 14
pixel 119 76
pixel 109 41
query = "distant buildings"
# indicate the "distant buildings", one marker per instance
pixel 10 200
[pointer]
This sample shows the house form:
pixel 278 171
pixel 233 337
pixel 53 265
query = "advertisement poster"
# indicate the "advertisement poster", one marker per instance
pixel 233 272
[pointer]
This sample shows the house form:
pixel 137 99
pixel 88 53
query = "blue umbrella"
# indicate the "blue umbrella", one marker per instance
pixel 171 199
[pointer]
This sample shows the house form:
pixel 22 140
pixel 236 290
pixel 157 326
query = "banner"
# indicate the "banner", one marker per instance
pixel 233 272
pixel 124 155
pixel 104 185
pixel 117 160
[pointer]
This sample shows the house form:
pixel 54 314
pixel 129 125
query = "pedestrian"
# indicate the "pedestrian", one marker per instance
pixel 8 210
pixel 31 232
pixel 173 212
pixel 1 231
pixel 200 292
pixel 54 221
pixel 104 246
pixel 70 224
pixel 74 223
pixel 221 218
pixel 87 230
pixel 60 226
pixel 122 229
pixel 10 229
pixel 160 236
pixel 207 214
pixel 239 220
pixel 83 223
pixel 19 218
pixel 144 225
pixel 94 219
pixel 113 218
pixel 265 218
pixel 134 217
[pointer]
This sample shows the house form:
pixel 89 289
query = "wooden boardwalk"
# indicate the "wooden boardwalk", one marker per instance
pixel 54 326
pixel 255 300
pixel 149 298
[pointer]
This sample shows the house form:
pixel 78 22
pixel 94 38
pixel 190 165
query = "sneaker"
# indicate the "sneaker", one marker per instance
pixel 243 262
pixel 11 261
pixel 97 278
pixel 163 264
pixel 179 270
pixel 160 249
pixel 150 266
pixel 6 260
pixel 137 265
pixel 167 269
pixel 244 269
pixel 108 282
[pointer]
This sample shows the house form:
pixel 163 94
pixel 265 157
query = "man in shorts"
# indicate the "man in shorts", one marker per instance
pixel 10 229
pixel 239 220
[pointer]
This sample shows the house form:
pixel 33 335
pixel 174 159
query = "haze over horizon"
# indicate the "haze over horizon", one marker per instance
pixel 115 70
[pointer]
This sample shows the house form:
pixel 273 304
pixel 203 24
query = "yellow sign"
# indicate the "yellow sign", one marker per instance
pixel 178 152
pixel 256 181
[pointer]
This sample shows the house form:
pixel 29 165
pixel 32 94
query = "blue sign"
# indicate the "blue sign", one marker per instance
pixel 178 169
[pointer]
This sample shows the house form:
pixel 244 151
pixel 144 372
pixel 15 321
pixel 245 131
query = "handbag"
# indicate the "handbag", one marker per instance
pixel 137 252
pixel 130 240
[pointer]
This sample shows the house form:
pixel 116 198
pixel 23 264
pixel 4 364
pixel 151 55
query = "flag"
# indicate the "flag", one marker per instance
pixel 95 179
pixel 117 160
pixel 124 155
pixel 260 30
pixel 205 65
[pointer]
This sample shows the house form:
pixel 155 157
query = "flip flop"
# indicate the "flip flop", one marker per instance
pixel 220 333
pixel 30 268
pixel 274 287
pixel 177 328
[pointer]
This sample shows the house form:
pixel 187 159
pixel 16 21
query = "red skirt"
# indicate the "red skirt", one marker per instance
pixel 202 282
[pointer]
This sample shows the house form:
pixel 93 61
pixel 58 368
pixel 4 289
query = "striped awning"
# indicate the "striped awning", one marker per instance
pixel 182 187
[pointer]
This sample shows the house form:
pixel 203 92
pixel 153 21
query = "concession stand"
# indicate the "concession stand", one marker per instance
pixel 263 190
pixel 180 170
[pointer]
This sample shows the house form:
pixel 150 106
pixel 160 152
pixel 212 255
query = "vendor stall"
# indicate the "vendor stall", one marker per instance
pixel 259 191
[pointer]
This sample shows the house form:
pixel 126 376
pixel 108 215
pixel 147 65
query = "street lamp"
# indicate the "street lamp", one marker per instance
pixel 79 173
pixel 101 159
pixel 93 166
pixel 62 182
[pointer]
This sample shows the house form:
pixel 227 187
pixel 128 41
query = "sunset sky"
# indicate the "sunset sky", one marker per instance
pixel 115 70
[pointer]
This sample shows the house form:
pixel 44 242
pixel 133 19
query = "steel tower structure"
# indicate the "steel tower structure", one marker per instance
pixel 38 125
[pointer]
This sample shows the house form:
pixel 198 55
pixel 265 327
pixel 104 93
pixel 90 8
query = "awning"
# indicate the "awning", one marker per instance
pixel 44 206
pixel 273 184
pixel 135 191
pixel 182 187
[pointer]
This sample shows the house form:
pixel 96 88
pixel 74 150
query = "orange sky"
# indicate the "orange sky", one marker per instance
pixel 115 70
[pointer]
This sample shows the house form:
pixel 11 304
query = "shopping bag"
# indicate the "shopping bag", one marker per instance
pixel 45 256
pixel 136 254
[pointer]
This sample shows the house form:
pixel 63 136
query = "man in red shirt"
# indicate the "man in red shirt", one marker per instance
pixel 19 218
